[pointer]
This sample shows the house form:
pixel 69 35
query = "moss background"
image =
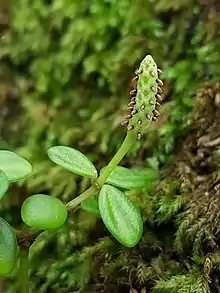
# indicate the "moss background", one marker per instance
pixel 66 69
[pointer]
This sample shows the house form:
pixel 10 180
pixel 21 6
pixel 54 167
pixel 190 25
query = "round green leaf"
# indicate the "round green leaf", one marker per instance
pixel 91 206
pixel 3 184
pixel 14 166
pixel 120 216
pixel 131 179
pixel 72 160
pixel 43 212
pixel 8 248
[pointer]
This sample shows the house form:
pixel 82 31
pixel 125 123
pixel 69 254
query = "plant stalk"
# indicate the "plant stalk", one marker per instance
pixel 122 151
pixel 92 190
pixel 124 148
pixel 23 270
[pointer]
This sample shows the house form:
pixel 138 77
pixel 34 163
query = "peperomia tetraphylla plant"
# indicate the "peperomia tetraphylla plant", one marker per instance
pixel 103 198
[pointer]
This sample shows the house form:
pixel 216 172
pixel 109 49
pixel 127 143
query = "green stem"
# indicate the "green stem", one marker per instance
pixel 86 194
pixel 23 273
pixel 124 148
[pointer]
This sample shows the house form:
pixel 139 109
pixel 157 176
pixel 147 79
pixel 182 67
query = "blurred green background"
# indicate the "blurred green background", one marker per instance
pixel 65 69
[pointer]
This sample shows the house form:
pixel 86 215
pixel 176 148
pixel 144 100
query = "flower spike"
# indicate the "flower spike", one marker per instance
pixel 145 96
